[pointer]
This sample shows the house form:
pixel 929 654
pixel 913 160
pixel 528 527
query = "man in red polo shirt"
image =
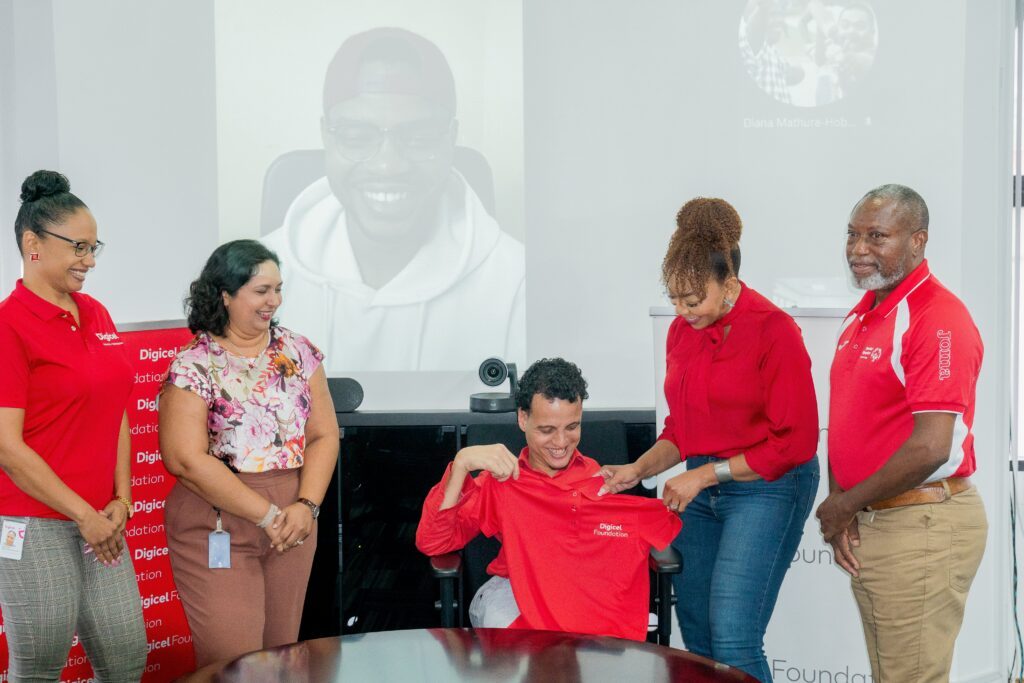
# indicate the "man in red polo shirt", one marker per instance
pixel 570 560
pixel 902 515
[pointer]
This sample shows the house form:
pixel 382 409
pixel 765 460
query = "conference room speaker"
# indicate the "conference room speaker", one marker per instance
pixel 346 393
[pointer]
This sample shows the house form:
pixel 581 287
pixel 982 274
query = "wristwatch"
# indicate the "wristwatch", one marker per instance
pixel 313 507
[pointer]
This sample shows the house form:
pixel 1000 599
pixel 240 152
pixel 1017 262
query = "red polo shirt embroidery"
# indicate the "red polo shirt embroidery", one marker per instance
pixel 918 351
pixel 73 382
pixel 577 562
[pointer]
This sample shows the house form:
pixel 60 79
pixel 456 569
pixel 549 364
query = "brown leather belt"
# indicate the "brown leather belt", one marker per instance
pixel 932 492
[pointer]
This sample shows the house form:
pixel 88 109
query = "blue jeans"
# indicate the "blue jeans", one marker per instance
pixel 737 542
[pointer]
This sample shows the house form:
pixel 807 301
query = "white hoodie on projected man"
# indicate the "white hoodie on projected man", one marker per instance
pixel 459 300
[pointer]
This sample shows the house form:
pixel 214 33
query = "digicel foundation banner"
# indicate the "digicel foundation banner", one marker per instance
pixel 170 644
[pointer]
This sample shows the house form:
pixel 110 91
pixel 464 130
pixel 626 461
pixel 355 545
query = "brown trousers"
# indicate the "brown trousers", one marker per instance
pixel 255 604
pixel 916 566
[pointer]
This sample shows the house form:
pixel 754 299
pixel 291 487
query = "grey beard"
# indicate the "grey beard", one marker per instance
pixel 877 281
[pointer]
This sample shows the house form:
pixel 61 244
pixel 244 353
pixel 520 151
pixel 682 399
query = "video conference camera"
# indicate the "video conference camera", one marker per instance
pixel 493 372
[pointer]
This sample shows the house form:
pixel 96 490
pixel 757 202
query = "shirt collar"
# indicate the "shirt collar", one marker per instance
pixel 902 290
pixel 716 330
pixel 574 462
pixel 39 306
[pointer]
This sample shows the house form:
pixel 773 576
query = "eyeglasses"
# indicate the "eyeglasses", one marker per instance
pixel 81 248
pixel 359 141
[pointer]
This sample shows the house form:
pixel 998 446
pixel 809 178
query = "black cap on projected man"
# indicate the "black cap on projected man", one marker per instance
pixel 392 261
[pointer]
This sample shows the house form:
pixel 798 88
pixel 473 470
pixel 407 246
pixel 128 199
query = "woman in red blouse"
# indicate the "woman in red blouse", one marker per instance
pixel 743 416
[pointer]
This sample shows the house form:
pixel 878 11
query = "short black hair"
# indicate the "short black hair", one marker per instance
pixel 552 378
pixel 46 200
pixel 229 267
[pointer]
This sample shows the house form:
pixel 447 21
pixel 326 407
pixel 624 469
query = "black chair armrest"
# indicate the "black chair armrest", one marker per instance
pixel 667 561
pixel 447 569
pixel 664 563
pixel 447 566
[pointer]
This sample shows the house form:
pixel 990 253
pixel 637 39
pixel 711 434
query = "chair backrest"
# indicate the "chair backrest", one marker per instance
pixel 292 172
pixel 602 440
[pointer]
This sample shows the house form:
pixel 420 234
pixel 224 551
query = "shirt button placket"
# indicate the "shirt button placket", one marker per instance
pixel 574 523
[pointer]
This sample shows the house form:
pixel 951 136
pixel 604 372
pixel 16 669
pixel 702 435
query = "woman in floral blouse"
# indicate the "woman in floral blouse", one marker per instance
pixel 253 395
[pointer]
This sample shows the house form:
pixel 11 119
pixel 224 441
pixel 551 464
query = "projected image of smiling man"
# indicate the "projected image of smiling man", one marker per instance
pixel 391 261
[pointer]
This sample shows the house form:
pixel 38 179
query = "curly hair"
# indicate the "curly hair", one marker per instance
pixel 46 200
pixel 229 267
pixel 705 245
pixel 552 378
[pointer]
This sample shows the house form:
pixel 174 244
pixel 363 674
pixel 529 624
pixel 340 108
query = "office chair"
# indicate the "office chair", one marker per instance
pixel 461 574
pixel 292 172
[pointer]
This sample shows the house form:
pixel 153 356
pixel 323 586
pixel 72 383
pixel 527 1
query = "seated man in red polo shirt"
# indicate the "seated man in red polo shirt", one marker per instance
pixel 570 560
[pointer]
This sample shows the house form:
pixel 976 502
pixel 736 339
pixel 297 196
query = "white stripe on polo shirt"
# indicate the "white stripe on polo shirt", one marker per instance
pixel 902 324
pixel 960 432
pixel 956 450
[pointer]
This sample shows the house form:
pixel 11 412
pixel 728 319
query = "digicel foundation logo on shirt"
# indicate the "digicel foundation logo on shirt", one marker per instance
pixel 615 530
pixel 109 339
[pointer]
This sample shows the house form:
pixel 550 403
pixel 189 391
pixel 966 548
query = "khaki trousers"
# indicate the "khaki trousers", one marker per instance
pixel 916 565
pixel 255 604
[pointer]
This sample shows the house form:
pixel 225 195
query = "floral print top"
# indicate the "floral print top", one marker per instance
pixel 258 407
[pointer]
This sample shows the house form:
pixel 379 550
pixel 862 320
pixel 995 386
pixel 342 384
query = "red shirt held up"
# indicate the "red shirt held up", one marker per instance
pixel 577 562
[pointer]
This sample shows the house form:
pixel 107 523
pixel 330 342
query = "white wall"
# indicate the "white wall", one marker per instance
pixel 118 95
pixel 986 287
pixel 648 105
pixel 28 113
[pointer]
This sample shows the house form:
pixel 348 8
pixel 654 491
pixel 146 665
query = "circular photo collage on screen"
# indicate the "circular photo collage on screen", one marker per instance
pixel 808 52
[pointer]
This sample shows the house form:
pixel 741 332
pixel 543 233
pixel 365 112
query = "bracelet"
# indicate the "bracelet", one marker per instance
pixel 272 512
pixel 127 505
pixel 722 472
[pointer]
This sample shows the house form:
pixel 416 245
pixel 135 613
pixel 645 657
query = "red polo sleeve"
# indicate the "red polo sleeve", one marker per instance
pixel 941 358
pixel 790 406
pixel 14 385
pixel 444 531
pixel 658 524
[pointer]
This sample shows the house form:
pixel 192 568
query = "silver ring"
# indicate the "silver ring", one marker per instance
pixel 673 506
pixel 298 542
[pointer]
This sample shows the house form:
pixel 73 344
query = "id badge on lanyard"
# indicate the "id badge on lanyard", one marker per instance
pixel 220 547
pixel 12 538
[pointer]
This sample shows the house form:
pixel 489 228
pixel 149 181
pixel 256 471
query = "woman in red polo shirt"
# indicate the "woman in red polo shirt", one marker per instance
pixel 65 484
pixel 743 415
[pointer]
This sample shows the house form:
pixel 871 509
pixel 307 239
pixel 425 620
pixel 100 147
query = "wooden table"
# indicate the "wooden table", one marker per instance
pixel 437 655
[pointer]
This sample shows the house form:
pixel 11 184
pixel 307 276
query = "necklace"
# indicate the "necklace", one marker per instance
pixel 245 353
